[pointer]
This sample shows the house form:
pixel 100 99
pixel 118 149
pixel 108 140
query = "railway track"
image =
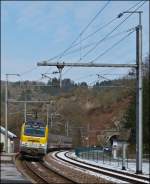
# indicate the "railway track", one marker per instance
pixel 121 175
pixel 38 172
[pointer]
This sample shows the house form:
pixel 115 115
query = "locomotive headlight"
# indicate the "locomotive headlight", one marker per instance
pixel 42 145
pixel 23 143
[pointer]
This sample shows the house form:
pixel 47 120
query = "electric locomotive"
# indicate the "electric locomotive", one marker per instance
pixel 34 137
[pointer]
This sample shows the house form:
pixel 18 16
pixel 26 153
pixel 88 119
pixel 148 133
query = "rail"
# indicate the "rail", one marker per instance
pixel 122 175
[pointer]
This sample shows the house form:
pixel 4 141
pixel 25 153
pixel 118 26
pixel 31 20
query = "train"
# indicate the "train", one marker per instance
pixel 56 142
pixel 36 139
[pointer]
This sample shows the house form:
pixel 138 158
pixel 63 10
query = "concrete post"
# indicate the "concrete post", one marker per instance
pixel 114 153
pixel 123 155
pixel 25 111
pixel 48 115
pixel 139 128
pixel 6 114
pixel 51 120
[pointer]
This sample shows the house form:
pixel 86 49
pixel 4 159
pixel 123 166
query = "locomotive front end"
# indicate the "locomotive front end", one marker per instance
pixel 33 140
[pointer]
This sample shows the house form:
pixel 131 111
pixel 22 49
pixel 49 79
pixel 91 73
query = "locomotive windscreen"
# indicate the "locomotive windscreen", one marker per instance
pixel 32 131
pixel 34 128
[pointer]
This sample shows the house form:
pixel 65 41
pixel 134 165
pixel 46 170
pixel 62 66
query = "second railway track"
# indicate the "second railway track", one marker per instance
pixel 124 176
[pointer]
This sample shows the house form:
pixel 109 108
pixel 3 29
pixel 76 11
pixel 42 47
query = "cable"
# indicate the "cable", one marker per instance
pixel 100 11
pixel 113 74
pixel 80 46
pixel 112 86
pixel 28 71
pixel 93 82
pixel 73 43
pixel 72 67
pixel 67 70
pixel 107 50
pixel 90 44
pixel 81 33
pixel 103 77
pixel 88 36
pixel 86 27
pixel 115 44
pixel 134 5
pixel 48 69
pixel 99 79
pixel 108 33
pixel 109 79
pixel 91 34
pixel 103 26
pixel 90 75
pixel 100 41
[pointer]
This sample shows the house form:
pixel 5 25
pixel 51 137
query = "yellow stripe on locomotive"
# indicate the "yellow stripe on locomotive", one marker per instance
pixel 34 137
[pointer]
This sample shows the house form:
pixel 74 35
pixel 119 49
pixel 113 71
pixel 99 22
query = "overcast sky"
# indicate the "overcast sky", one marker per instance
pixel 39 30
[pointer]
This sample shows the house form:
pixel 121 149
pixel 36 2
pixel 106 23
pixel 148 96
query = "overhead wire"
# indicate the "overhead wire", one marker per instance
pixel 110 48
pixel 93 82
pixel 87 76
pixel 97 80
pixel 86 27
pixel 99 29
pixel 113 74
pixel 93 43
pixel 103 77
pixel 80 46
pixel 108 79
pixel 91 34
pixel 79 36
pixel 28 71
pixel 114 29
pixel 73 43
pixel 81 33
pixel 31 70
pixel 102 74
pixel 49 68
pixel 90 75
pixel 83 39
pixel 110 86
pixel 106 24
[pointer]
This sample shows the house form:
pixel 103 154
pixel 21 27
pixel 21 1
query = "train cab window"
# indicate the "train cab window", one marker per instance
pixel 37 132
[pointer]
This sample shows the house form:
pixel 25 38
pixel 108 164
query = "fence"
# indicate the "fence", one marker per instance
pixel 106 157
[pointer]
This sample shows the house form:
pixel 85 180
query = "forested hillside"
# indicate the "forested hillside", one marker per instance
pixel 86 110
pixel 130 118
